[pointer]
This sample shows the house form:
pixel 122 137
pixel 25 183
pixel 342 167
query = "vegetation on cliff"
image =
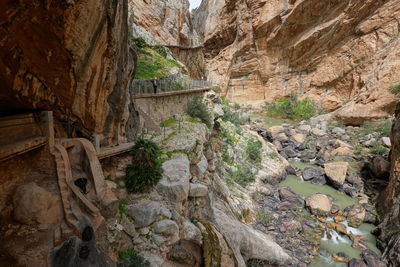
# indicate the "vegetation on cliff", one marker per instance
pixel 198 109
pixel 145 169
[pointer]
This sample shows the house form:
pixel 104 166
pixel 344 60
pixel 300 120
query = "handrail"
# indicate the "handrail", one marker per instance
pixel 169 84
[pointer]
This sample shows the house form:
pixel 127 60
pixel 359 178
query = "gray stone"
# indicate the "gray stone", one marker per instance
pixel 318 132
pixel 198 190
pixel 158 240
pixel 338 131
pixel 304 128
pixel 174 184
pixel 202 166
pixel 386 141
pixel 191 232
pixel 316 176
pixel 144 213
pixel 319 204
pixel 165 227
pixel 380 167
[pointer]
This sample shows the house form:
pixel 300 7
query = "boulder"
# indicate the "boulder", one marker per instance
pixel 355 214
pixel 338 131
pixel 174 184
pixel 341 151
pixel 299 138
pixel 191 232
pixel 319 204
pixel 316 176
pixel 356 263
pixel 386 141
pixel 380 167
pixel 275 130
pixel 289 152
pixel 286 194
pixel 144 213
pixel 318 132
pixel 165 227
pixel 198 190
pixel 336 172
pixel 282 137
pixel 372 259
pixel 304 128
pixel 35 205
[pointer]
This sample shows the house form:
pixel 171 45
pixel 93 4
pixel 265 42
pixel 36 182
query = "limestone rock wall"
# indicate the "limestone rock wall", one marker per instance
pixel 340 53
pixel 70 57
pixel 163 22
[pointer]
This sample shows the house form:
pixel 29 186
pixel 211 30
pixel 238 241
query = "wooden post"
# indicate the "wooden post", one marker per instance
pixel 96 142
pixel 49 127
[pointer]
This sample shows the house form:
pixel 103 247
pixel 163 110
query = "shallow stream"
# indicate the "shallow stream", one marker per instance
pixel 332 242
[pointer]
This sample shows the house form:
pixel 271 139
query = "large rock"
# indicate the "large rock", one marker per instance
pixel 336 172
pixel 166 227
pixel 380 167
pixel 174 184
pixel 319 204
pixel 198 190
pixel 35 205
pixel 316 176
pixel 144 213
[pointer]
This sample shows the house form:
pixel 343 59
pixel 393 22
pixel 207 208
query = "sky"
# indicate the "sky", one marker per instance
pixel 194 3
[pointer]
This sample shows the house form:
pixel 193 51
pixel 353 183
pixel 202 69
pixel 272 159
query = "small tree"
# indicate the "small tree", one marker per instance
pixel 198 109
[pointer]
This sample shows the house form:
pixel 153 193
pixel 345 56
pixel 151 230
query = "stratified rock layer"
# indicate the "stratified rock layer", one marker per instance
pixel 67 56
pixel 332 51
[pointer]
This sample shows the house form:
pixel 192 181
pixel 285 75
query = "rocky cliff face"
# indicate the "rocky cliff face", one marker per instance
pixel 67 56
pixel 332 51
pixel 390 201
pixel 164 22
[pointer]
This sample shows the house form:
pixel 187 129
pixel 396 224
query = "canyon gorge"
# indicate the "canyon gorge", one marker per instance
pixel 238 133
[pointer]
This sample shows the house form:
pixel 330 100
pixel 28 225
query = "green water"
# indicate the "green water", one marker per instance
pixel 307 188
pixel 338 243
pixel 302 165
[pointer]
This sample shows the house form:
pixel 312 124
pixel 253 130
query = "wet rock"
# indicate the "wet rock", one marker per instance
pixel 372 259
pixel 339 219
pixel 340 228
pixel 316 176
pixel 336 172
pixel 380 167
pixel 35 205
pixel 290 170
pixel 355 215
pixel 356 263
pixel 319 204
pixel 198 190
pixel 340 257
pixel 144 213
pixel 289 152
pixel 166 227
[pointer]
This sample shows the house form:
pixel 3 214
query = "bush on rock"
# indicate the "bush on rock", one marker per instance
pixel 145 170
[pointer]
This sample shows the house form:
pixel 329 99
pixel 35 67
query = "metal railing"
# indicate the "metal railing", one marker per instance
pixel 168 84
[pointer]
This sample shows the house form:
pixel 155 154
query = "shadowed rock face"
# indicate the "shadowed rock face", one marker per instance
pixel 390 200
pixel 67 56
pixel 333 51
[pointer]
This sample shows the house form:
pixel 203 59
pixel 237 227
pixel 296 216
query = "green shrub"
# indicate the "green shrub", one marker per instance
pixel 291 108
pixel 168 123
pixel 216 89
pixel 381 128
pixel 378 149
pixel 131 258
pixel 160 50
pixel 253 150
pixel 264 217
pixel 395 89
pixel 150 64
pixel 243 176
pixel 145 169
pixel 198 109
pixel 232 116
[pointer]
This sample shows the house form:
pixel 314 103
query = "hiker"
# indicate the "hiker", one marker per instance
pixel 154 82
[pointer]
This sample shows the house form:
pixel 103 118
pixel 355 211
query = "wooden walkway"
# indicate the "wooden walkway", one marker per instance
pixel 171 93
pixel 107 152
pixel 20 147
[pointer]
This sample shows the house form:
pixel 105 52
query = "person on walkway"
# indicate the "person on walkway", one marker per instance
pixel 154 82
